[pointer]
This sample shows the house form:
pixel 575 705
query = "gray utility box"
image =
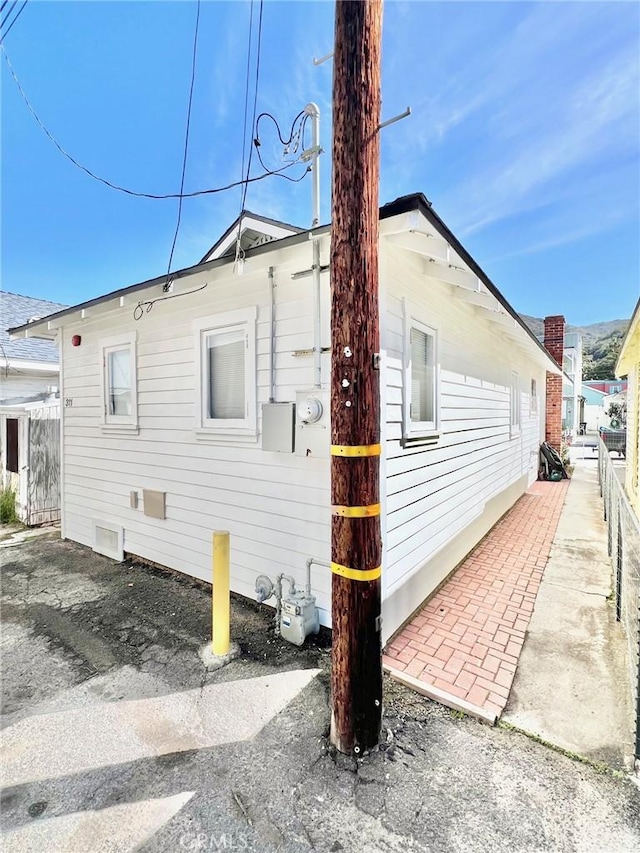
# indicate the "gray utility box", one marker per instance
pixel 278 421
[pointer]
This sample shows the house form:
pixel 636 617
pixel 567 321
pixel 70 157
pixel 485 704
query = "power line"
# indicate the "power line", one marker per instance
pixel 11 8
pixel 112 185
pixel 246 105
pixel 255 102
pixel 186 141
pixel 291 145
pixel 239 252
pixel 10 27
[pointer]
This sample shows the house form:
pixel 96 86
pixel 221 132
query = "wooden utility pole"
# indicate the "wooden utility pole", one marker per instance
pixel 356 548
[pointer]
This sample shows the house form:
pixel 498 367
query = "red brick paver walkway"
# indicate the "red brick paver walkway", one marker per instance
pixel 462 647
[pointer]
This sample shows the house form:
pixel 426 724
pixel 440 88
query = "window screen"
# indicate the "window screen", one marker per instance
pixel 422 377
pixel 226 379
pixel 119 380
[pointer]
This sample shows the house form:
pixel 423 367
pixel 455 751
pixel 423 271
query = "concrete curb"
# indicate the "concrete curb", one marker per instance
pixel 440 696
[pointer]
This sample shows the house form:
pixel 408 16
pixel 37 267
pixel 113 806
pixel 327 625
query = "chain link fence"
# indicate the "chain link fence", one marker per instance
pixel 623 542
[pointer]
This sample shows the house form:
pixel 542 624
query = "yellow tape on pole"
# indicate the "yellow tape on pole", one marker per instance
pixel 356 511
pixel 356 574
pixel 355 450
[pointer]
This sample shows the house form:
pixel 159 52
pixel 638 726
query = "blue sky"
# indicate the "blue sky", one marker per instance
pixel 524 135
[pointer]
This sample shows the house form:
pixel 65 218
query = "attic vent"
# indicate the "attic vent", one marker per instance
pixel 108 539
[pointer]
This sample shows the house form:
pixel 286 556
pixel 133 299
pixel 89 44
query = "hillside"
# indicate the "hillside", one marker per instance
pixel 590 334
pixel 600 344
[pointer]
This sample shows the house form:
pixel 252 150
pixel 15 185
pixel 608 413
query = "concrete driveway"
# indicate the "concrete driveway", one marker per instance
pixel 115 738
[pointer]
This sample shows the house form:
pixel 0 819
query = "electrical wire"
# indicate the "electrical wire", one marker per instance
pixel 255 102
pixel 141 307
pixel 8 15
pixel 246 101
pixel 291 144
pixel 186 144
pixel 11 25
pixel 284 142
pixel 279 174
pixel 110 184
pixel 243 193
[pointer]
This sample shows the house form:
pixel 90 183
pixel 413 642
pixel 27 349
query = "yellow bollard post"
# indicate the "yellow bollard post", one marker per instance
pixel 220 598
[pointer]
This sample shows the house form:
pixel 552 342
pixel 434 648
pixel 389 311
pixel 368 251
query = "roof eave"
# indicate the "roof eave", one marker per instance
pixel 630 349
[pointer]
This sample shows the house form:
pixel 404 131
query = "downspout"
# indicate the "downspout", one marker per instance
pixel 272 361
pixel 314 113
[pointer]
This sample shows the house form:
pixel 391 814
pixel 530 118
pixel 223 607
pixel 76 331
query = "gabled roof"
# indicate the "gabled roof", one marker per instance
pixel 254 230
pixel 416 203
pixel 15 310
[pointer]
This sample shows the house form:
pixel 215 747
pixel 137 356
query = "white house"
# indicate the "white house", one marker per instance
pixel 178 413
pixel 29 376
pixel 572 412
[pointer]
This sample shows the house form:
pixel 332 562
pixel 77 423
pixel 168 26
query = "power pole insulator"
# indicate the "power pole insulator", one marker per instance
pixel 356 546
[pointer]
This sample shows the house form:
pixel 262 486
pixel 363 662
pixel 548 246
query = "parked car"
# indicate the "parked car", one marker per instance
pixel 614 439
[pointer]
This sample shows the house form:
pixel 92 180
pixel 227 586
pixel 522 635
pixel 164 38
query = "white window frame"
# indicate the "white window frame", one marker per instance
pixel 534 397
pixel 416 430
pixel 121 423
pixel 245 319
pixel 515 405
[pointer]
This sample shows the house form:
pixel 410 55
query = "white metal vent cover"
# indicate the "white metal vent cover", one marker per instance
pixel 108 539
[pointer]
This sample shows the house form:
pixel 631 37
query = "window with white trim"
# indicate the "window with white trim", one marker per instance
pixel 514 419
pixel 421 379
pixel 225 355
pixel 534 397
pixel 119 382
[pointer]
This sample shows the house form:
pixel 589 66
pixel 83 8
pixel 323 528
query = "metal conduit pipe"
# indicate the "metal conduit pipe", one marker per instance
pixel 292 586
pixel 272 360
pixel 313 112
pixel 310 562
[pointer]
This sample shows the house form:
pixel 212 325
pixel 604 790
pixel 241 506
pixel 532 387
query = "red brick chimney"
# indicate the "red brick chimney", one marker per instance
pixel 554 344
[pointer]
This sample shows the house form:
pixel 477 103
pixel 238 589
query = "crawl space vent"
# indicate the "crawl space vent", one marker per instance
pixel 108 539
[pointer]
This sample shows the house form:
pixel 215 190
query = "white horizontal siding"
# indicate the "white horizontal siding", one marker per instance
pixel 276 506
pixel 15 386
pixel 433 492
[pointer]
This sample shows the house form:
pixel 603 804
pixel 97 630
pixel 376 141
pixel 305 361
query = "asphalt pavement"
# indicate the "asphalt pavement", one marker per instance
pixel 117 738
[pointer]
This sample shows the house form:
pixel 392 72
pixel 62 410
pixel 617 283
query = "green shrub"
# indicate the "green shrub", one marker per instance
pixel 7 506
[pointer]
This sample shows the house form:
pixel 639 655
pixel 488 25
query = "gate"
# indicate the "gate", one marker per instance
pixel 43 484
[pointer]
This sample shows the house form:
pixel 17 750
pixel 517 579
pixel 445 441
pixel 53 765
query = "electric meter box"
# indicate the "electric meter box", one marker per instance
pixel 313 425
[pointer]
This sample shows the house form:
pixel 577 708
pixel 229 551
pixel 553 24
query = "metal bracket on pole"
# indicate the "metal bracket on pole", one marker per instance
pixel 322 59
pixel 393 120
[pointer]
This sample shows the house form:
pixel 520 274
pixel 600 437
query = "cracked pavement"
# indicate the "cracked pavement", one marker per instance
pixel 83 637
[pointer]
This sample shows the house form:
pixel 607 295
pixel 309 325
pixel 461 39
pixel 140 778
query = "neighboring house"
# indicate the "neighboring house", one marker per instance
pixel 29 366
pixel 29 377
pixel 607 386
pixel 593 409
pixel 211 410
pixel 628 366
pixel 572 414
